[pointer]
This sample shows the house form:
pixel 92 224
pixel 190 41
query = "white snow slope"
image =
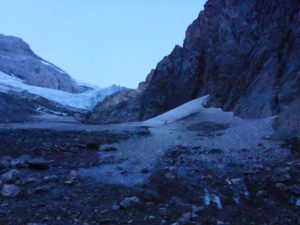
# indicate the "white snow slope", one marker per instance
pixel 86 100
pixel 180 112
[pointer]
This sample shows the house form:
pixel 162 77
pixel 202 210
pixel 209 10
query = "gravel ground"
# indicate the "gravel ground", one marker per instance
pixel 227 171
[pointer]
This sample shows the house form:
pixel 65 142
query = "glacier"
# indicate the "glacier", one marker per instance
pixel 85 100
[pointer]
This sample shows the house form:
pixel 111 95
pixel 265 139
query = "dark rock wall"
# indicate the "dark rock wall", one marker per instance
pixel 244 53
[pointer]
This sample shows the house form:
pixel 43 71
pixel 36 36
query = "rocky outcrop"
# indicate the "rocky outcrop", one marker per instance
pixel 244 54
pixel 107 109
pixel 17 59
pixel 13 109
pixel 23 107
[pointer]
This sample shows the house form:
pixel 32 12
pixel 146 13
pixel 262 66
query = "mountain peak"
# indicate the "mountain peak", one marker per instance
pixel 18 60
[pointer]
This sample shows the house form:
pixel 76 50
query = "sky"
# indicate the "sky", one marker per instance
pixel 101 42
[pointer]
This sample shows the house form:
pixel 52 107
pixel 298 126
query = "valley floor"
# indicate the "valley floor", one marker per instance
pixel 206 167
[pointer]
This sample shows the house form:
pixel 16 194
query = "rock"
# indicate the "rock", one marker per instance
pixel 145 170
pixel 42 189
pixel 10 190
pixel 18 163
pixel 71 177
pixel 251 172
pixel 215 151
pixel 194 217
pixel 186 218
pixel 106 221
pixel 24 158
pixel 73 173
pixel 258 167
pixel 130 202
pixel 163 211
pixel 281 187
pixel 110 149
pixel 39 164
pixel 178 202
pixel 102 111
pixel 11 176
pixel 163 222
pixel 4 163
pixel 150 196
pixel 115 208
pixel 236 181
pixel 281 176
pixel 93 146
pixel 210 199
pixel 197 210
pixel 31 180
pixel 170 175
pixel 50 178
pixel 295 189
pixel 151 217
pixel 36 224
pixel 57 194
pixel 261 193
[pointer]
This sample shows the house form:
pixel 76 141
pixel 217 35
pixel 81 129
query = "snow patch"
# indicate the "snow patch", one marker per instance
pixel 49 111
pixel 178 113
pixel 51 65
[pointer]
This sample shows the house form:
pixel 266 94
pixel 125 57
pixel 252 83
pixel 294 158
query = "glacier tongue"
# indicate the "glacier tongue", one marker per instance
pixel 86 100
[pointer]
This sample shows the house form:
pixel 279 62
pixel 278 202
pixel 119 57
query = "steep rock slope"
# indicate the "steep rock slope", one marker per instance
pixel 18 60
pixel 244 54
pixel 24 107
pixel 108 108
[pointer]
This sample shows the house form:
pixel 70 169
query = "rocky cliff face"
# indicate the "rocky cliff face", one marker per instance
pixel 17 59
pixel 244 54
pixel 107 110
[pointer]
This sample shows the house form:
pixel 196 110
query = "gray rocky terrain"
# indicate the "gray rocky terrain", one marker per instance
pixel 199 166
pixel 211 137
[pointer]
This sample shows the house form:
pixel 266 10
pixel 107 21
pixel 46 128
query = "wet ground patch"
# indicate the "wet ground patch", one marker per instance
pixel 208 127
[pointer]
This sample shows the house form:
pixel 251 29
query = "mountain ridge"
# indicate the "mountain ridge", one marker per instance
pixel 30 86
pixel 17 59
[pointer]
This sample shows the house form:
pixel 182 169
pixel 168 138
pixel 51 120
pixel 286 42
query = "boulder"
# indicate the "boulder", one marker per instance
pixel 10 190
pixel 11 176
pixel 39 164
pixel 130 202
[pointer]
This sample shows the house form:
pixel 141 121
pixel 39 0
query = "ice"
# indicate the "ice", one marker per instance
pixel 180 112
pixel 86 100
